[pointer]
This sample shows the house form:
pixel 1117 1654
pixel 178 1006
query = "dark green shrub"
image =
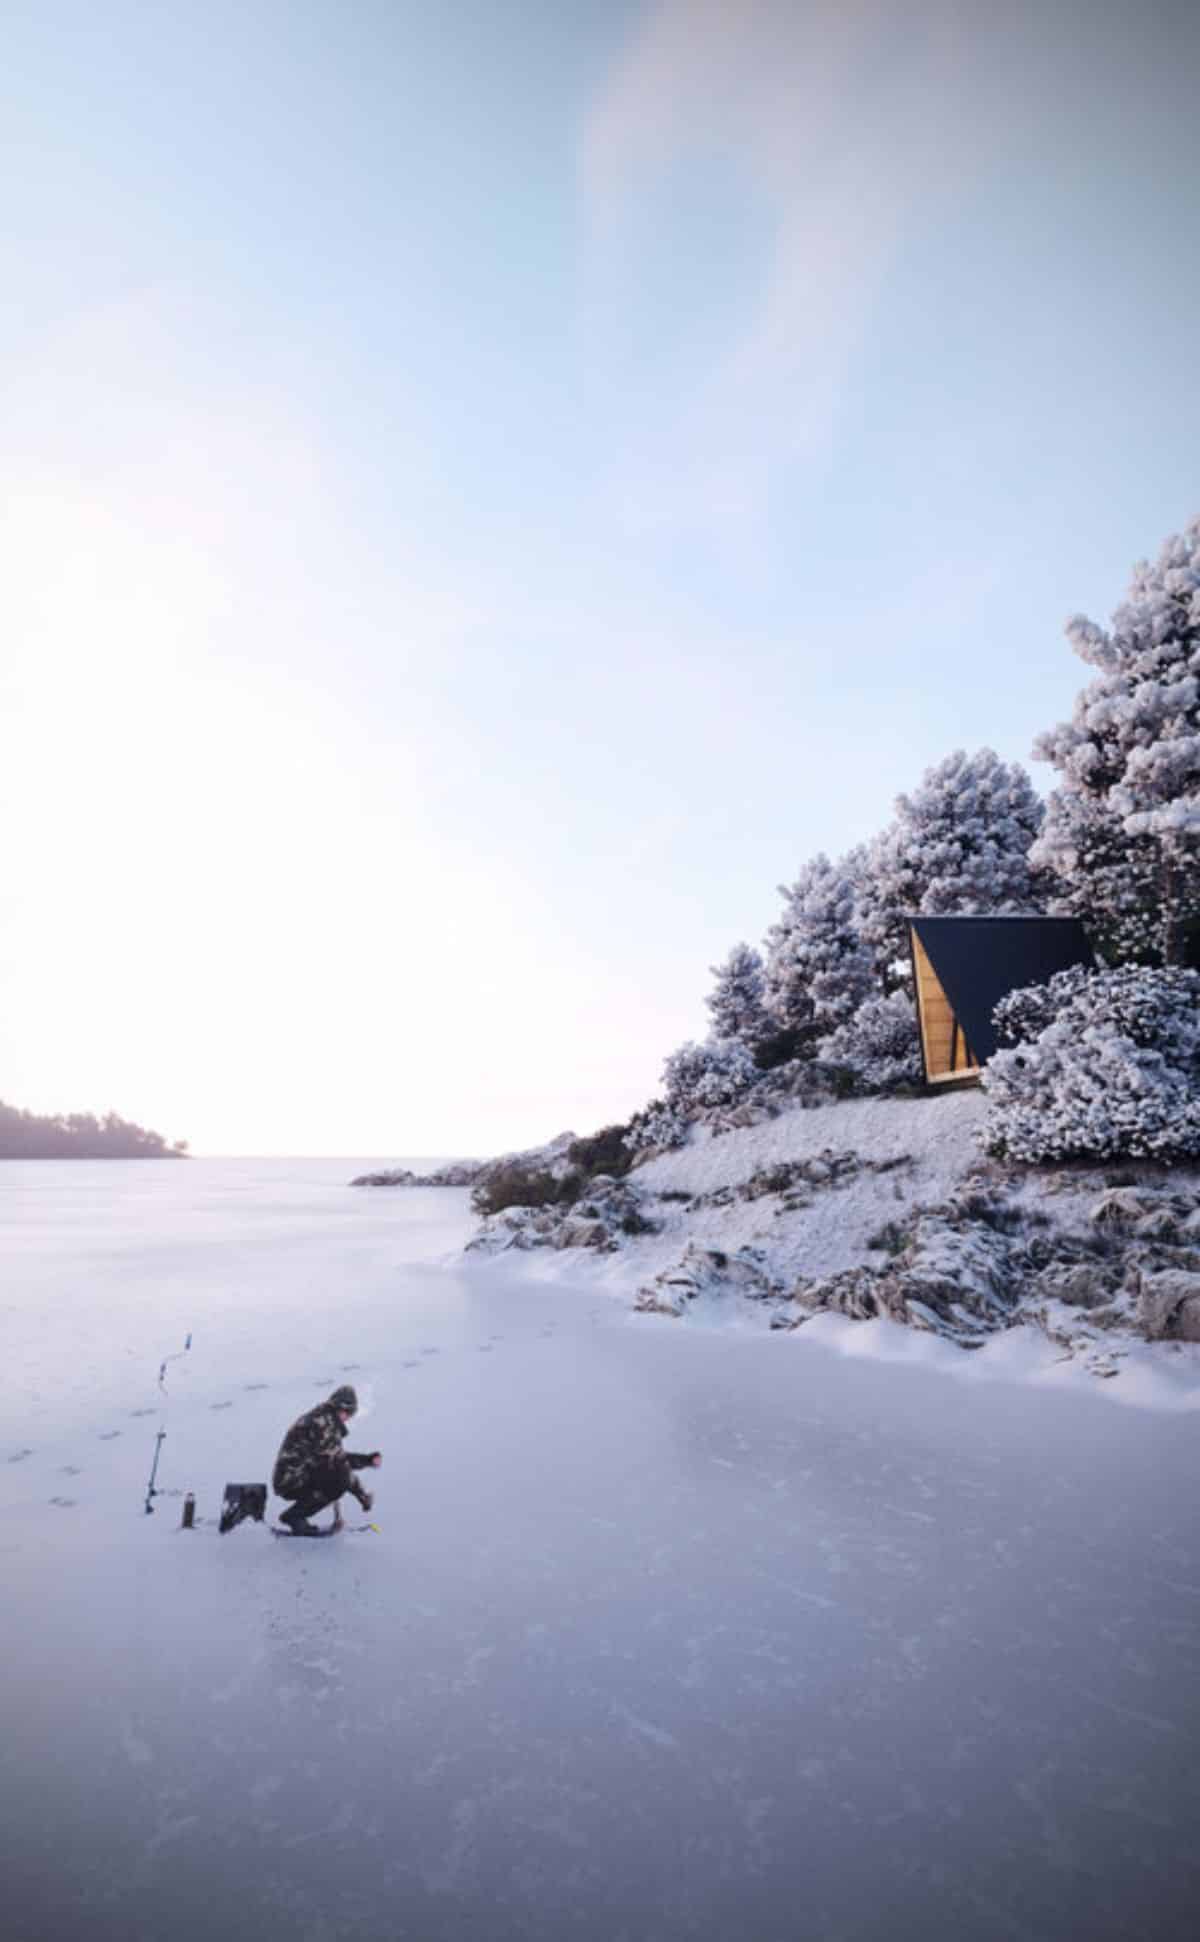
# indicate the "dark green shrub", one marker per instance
pixel 602 1152
pixel 518 1186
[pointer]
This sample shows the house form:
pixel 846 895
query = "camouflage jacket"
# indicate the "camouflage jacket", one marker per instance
pixel 313 1442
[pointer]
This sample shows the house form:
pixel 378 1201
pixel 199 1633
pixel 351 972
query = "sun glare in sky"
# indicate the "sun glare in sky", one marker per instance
pixel 486 493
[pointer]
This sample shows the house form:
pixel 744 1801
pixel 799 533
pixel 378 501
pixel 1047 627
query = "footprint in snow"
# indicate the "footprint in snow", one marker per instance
pixel 19 1456
pixel 220 1405
pixel 485 1348
pixel 431 1351
pixel 410 1365
pixel 70 1470
pixel 349 1367
pixel 108 1436
pixel 142 1412
pixel 64 1503
pixel 250 1387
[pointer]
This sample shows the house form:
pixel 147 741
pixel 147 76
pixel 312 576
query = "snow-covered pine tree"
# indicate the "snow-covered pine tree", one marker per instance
pixel 959 842
pixel 736 1000
pixel 1123 828
pixel 1100 873
pixel 818 971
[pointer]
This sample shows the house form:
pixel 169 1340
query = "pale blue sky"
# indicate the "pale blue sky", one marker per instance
pixel 486 491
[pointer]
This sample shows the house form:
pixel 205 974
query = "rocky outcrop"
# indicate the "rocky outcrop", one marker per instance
pixel 1080 1284
pixel 551 1158
pixel 607 1213
pixel 708 1271
pixel 950 1275
pixel 796 1181
pixel 458 1173
pixel 1122 1206
pixel 1168 1305
pixel 1094 1256
pixel 982 1261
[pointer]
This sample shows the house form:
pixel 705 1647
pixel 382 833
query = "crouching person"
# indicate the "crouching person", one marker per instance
pixel 313 1471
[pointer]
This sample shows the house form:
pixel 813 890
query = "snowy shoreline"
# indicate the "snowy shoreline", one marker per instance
pixel 847 1220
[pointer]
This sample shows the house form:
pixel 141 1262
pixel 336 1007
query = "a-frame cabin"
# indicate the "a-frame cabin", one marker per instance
pixel 964 966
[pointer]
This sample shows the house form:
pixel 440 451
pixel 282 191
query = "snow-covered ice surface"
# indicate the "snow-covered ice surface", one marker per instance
pixel 666 1633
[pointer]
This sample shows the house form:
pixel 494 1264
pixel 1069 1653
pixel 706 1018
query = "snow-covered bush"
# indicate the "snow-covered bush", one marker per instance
pixel 736 1000
pixel 717 1073
pixel 697 1078
pixel 656 1125
pixel 818 971
pixel 1123 830
pixel 1096 1065
pixel 880 1045
pixel 959 842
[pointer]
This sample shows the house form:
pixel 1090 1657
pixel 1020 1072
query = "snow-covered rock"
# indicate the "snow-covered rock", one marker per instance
pixel 604 1214
pixel 1122 1206
pixel 516 1227
pixel 577 1230
pixel 1169 1305
pixel 708 1271
pixel 456 1173
pixel 949 1276
pixel 1080 1284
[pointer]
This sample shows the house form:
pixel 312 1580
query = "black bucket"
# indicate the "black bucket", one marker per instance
pixel 242 1500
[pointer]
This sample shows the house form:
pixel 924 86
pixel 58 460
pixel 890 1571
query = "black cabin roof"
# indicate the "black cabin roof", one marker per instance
pixel 979 960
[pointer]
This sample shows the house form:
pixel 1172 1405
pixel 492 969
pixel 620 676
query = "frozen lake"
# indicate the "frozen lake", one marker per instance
pixel 665 1633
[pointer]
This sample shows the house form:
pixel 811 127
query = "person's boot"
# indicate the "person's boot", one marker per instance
pixel 297 1523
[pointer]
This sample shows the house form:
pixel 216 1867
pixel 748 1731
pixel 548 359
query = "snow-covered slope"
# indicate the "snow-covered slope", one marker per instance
pixel 887 1207
pixel 907 1152
pixel 910 1152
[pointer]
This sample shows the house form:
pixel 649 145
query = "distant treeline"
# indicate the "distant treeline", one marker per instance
pixel 80 1136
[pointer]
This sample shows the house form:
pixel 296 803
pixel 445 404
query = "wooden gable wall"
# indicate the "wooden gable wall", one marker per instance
pixel 947 1054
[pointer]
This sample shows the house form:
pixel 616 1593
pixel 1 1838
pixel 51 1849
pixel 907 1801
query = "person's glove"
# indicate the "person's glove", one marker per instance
pixel 376 1459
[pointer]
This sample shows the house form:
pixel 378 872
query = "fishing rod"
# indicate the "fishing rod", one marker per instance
pixel 151 1491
